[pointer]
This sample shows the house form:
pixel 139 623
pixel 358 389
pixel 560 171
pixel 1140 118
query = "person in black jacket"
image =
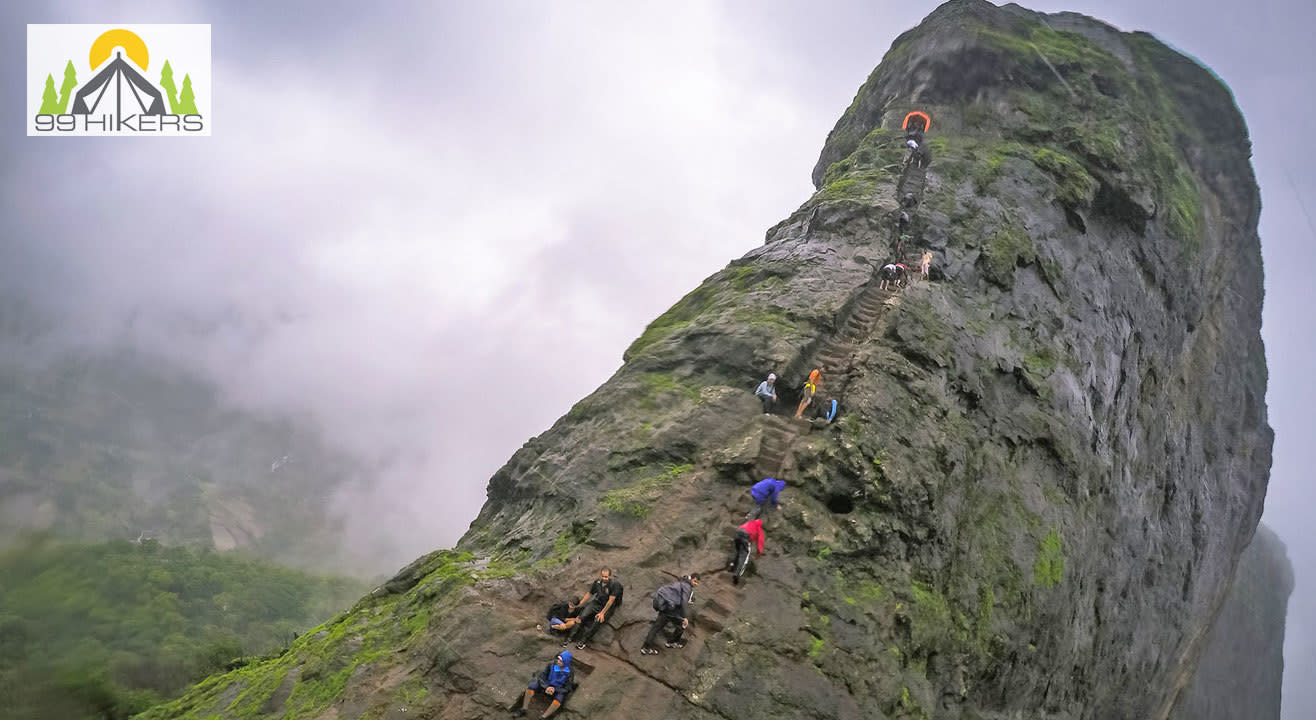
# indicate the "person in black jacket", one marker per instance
pixel 596 606
pixel 672 602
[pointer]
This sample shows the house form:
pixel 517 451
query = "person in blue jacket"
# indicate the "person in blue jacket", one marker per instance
pixel 556 682
pixel 765 491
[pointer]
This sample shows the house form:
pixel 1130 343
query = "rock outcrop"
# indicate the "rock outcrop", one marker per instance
pixel 1240 671
pixel 1047 463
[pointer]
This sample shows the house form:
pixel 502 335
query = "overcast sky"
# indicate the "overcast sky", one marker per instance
pixel 431 227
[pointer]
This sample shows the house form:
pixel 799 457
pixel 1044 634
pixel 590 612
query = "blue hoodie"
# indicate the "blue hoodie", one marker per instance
pixel 766 490
pixel 557 676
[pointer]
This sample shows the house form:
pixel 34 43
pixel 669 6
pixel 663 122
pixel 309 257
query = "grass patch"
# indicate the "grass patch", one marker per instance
pixel 638 500
pixel 1075 186
pixel 1049 568
pixel 1008 247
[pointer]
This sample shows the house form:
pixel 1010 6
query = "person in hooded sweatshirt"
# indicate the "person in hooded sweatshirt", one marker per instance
pixel 752 530
pixel 765 491
pixel 554 680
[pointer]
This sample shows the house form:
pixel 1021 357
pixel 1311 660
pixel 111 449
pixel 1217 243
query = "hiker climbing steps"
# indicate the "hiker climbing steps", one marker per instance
pixel 829 362
pixel 862 313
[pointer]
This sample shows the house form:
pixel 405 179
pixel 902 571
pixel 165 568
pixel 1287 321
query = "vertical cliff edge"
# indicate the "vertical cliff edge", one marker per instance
pixel 1047 463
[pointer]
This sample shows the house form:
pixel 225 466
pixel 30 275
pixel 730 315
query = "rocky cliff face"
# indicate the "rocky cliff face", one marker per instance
pixel 1047 461
pixel 1240 671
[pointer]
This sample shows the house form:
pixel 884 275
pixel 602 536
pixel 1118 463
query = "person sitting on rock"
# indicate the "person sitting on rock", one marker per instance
pixel 752 530
pixel 809 390
pixel 767 490
pixel 827 411
pixel 767 393
pixel 889 274
pixel 672 601
pixel 555 680
pixel 599 604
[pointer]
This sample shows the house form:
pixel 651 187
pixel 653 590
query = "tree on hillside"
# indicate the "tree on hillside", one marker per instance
pixel 167 82
pixel 66 90
pixel 187 101
pixel 49 100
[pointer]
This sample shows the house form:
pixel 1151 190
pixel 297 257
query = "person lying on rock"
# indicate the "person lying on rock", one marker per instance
pixel 752 530
pixel 555 680
pixel 765 491
pixel 560 619
pixel 599 604
pixel 767 393
pixel 672 601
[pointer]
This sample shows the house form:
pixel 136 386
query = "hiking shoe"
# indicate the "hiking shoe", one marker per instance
pixel 678 644
pixel 580 646
pixel 648 651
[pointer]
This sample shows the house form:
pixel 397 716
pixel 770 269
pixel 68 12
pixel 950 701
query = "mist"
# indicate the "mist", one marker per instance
pixel 425 230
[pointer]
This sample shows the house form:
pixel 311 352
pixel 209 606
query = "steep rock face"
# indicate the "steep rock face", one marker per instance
pixel 1240 671
pixel 1046 466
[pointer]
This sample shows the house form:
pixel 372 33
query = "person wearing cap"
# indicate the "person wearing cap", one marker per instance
pixel 767 393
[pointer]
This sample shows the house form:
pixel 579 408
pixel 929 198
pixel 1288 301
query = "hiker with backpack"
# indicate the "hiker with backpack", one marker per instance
pixel 672 601
pixel 750 531
pixel 556 681
pixel 596 607
pixel 809 390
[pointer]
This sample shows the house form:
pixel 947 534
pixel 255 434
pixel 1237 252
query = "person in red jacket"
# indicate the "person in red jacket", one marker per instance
pixel 752 530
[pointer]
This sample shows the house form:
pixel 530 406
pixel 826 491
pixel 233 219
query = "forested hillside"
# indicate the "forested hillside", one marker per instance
pixel 105 630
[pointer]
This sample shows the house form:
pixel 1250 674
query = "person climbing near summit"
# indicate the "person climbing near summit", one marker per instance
pixel 809 390
pixel 555 680
pixel 767 393
pixel 767 490
pixel 902 222
pixel 672 601
pixel 908 200
pixel 888 273
pixel 752 530
pixel 599 604
pixel 925 264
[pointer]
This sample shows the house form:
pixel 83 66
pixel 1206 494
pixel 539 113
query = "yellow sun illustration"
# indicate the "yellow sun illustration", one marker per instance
pixel 126 39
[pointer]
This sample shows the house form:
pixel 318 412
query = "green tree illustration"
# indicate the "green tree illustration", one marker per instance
pixel 66 90
pixel 167 82
pixel 187 101
pixel 49 100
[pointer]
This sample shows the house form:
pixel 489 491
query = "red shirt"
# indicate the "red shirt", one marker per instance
pixel 755 530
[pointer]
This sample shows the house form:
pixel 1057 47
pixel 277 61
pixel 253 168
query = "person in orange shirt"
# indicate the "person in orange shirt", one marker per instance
pixel 810 388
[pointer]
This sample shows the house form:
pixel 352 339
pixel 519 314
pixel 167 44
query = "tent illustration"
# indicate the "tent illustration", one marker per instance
pixel 120 84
